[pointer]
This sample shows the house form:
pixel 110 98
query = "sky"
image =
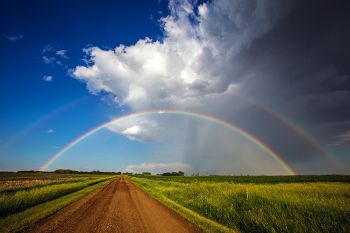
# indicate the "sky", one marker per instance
pixel 211 87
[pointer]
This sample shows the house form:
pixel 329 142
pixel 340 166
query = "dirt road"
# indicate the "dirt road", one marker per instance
pixel 118 207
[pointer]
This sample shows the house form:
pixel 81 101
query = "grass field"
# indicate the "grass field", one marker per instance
pixel 257 204
pixel 27 198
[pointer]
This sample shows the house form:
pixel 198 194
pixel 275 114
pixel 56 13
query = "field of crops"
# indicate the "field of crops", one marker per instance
pixel 26 198
pixel 257 204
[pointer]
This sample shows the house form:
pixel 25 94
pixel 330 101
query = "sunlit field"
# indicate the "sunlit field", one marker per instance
pixel 26 198
pixel 175 116
pixel 257 204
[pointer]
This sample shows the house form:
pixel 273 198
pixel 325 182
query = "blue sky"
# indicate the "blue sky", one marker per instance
pixel 26 97
pixel 69 66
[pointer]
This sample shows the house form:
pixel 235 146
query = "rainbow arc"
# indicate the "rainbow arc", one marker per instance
pixel 279 159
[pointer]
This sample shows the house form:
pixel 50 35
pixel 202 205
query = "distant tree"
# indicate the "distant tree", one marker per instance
pixel 66 171
pixel 179 173
pixel 146 173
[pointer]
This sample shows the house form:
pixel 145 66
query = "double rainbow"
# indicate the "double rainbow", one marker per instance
pixel 212 119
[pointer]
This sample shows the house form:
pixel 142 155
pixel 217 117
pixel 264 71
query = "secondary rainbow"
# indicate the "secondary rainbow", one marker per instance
pixel 40 122
pixel 215 120
pixel 295 129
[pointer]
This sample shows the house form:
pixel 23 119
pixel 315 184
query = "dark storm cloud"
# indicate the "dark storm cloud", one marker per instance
pixel 301 67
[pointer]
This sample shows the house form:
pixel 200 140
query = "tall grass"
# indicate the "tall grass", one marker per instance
pixel 19 200
pixel 17 185
pixel 255 179
pixel 19 221
pixel 289 207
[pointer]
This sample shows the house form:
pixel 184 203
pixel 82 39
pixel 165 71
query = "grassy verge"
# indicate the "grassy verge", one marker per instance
pixel 19 221
pixel 281 207
pixel 17 201
pixel 203 223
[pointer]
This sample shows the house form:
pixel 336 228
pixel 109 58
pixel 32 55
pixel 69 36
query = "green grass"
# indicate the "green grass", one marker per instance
pixel 254 179
pixel 21 220
pixel 204 223
pixel 12 202
pixel 272 206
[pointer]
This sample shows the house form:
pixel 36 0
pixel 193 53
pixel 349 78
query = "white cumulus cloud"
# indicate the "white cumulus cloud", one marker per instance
pixel 50 131
pixel 132 131
pixel 48 60
pixel 15 37
pixel 138 128
pixel 62 53
pixel 191 67
pixel 48 78
pixel 53 56
pixel 191 63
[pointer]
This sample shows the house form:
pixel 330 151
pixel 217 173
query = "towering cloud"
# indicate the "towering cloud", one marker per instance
pixel 213 52
pixel 193 61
